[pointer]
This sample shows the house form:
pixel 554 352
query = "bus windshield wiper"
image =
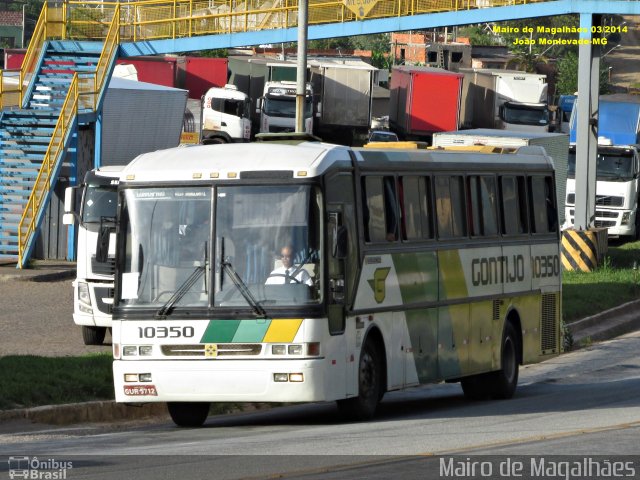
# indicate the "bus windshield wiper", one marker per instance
pixel 167 308
pixel 244 290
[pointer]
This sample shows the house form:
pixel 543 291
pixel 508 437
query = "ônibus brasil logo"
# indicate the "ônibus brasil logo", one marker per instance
pixel 40 469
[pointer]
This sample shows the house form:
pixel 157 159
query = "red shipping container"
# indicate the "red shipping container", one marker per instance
pixel 425 100
pixel 202 73
pixel 156 70
pixel 13 58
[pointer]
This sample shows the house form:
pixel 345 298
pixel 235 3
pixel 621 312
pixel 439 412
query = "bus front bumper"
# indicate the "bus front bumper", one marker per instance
pixel 222 381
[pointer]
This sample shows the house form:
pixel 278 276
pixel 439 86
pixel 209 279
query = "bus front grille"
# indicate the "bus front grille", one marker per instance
pixel 548 328
pixel 211 350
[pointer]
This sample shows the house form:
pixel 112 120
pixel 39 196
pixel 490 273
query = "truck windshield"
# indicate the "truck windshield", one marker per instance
pixel 611 166
pixel 285 106
pixel 99 201
pixel 168 236
pixel 525 114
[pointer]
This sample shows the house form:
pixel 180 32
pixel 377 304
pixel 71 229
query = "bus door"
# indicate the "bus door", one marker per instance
pixel 342 266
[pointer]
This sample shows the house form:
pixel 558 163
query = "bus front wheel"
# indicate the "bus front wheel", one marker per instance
pixel 188 414
pixel 363 407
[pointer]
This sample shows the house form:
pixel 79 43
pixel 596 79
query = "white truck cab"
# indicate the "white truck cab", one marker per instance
pixel 617 189
pixel 277 108
pixel 226 116
pixel 92 206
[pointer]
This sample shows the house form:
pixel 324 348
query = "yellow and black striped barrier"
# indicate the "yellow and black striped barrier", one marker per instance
pixel 583 250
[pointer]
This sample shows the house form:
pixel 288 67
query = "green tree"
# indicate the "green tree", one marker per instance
pixel 568 75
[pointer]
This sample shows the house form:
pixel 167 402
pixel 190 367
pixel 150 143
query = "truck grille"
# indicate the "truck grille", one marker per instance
pixel 206 350
pixel 104 299
pixel 106 268
pixel 603 214
pixel 601 200
pixel 605 223
pixel 273 129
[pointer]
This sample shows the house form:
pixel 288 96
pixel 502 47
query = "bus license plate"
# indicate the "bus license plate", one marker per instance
pixel 133 390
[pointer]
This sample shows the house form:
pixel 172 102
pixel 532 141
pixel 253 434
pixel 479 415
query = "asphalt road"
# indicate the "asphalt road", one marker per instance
pixel 584 403
pixel 36 319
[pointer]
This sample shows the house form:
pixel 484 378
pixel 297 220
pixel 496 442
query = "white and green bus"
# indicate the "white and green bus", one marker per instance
pixel 419 267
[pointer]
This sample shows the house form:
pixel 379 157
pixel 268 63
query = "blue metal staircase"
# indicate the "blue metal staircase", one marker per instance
pixel 27 136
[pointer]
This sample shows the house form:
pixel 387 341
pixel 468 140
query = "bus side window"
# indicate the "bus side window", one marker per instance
pixel 514 212
pixel 482 199
pixel 450 206
pixel 416 200
pixel 542 204
pixel 381 210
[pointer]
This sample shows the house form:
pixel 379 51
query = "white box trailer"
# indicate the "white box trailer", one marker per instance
pixel 555 144
pixel 139 117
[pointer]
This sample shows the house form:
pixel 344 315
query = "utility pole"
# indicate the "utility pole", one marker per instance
pixel 301 72
pixel 24 23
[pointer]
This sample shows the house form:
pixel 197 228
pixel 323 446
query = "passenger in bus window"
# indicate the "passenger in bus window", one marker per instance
pixel 288 272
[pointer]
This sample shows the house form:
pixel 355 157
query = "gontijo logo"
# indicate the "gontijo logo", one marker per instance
pixel 41 469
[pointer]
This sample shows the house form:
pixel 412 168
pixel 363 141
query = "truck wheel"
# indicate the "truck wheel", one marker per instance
pixel 214 141
pixel 188 414
pixel 363 407
pixel 93 335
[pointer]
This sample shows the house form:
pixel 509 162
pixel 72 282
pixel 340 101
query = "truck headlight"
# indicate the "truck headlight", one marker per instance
pixel 625 218
pixel 84 298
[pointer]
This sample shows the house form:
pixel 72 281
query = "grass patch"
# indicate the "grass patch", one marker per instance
pixel 29 381
pixel 615 282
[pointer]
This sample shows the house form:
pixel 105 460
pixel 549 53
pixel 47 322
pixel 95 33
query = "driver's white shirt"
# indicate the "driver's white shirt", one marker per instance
pixel 278 276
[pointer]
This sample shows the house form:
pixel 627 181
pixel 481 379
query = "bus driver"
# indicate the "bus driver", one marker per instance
pixel 288 272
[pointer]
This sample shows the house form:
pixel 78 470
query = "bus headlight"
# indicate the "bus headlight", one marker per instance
pixel 129 351
pixel 84 304
pixel 295 349
pixel 278 349
pixel 145 350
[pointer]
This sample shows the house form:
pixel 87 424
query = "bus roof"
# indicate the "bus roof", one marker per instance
pixel 305 160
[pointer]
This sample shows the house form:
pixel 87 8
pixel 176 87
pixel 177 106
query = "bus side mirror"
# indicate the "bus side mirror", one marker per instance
pixel 70 215
pixel 338 236
pixel 259 104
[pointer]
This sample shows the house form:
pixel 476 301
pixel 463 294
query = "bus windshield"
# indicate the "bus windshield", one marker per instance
pixel 100 201
pixel 173 261
pixel 611 166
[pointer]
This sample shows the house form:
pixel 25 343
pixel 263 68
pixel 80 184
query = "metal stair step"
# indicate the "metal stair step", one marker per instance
pixel 11 130
pixel 17 156
pixel 14 172
pixel 74 46
pixel 11 182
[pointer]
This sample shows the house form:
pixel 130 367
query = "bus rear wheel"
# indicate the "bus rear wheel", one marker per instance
pixel 188 414
pixel 363 407
pixel 93 335
pixel 502 383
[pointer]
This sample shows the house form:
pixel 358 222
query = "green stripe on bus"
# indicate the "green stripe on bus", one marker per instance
pixel 220 331
pixel 417 276
pixel 251 331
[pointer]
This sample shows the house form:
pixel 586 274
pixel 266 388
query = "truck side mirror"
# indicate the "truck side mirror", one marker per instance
pixel 70 215
pixel 102 246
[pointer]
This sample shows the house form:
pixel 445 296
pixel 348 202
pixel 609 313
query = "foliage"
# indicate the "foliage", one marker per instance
pixel 568 75
pixel 218 53
pixel 479 35
pixel 29 380
pixel 616 282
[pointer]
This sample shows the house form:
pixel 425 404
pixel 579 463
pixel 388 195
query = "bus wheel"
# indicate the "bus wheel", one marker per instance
pixel 188 414
pixel 364 405
pixel 476 387
pixel 505 380
pixel 214 141
pixel 93 335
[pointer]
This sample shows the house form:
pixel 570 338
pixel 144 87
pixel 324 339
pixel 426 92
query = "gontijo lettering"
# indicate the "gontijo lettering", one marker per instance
pixel 495 270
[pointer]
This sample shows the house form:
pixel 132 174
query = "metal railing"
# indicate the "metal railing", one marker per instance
pixel 42 184
pixel 169 19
